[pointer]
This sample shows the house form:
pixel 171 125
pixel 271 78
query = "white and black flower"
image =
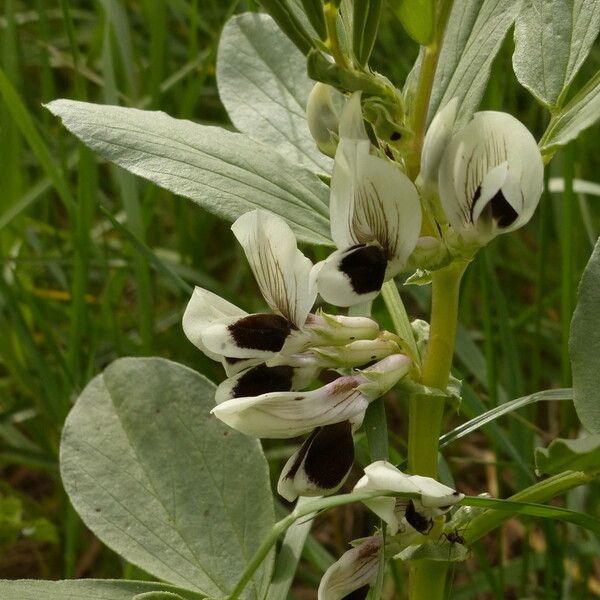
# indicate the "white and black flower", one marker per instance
pixel 290 414
pixel 353 573
pixel 490 177
pixel 430 497
pixel 375 217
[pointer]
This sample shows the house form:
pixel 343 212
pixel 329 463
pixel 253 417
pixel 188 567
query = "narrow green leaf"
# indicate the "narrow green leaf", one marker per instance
pixel 501 410
pixel 289 557
pixel 29 131
pixel 417 17
pixel 289 23
pixel 581 112
pixel 264 86
pixel 584 345
pixel 536 510
pixel 473 37
pixel 365 23
pixel 314 11
pixel 552 39
pixel 191 513
pixel 561 455
pixel 86 589
pixel 226 173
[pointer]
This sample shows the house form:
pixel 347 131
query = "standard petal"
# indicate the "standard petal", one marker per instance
pixel 374 202
pixel 355 570
pixel 320 466
pixel 437 138
pixel 253 336
pixel 351 276
pixel 281 270
pixel 290 414
pixel 203 309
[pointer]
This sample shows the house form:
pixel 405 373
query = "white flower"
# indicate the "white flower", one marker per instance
pixel 490 177
pixel 283 275
pixel 355 569
pixel 320 466
pixel 431 498
pixel 375 217
pixel 289 414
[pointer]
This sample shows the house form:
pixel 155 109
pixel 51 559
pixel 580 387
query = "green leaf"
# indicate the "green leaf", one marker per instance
pixel 552 39
pixel 162 482
pixel 263 84
pixel 442 550
pixel 561 455
pixel 473 37
pixel 576 116
pixel 365 23
pixel 417 17
pixel 289 23
pixel 88 589
pixel 584 345
pixel 226 173
pixel 533 510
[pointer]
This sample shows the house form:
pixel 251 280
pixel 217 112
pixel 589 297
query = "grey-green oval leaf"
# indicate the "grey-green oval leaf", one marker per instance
pixel 227 173
pixel 264 86
pixel 473 37
pixel 584 345
pixel 581 112
pixel 561 455
pixel 552 39
pixel 162 482
pixel 87 589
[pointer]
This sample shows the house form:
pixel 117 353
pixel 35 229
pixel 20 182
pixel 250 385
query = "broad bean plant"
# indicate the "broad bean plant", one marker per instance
pixel 394 183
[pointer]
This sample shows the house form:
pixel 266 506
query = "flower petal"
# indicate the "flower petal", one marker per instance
pixel 253 336
pixel 256 381
pixel 487 142
pixel 320 466
pixel 372 201
pixel 323 110
pixel 289 414
pixel 352 125
pixel 281 270
pixel 354 570
pixel 203 309
pixel 351 276
pixel 437 138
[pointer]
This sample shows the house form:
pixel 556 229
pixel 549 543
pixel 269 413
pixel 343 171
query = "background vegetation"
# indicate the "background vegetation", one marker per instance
pixel 96 264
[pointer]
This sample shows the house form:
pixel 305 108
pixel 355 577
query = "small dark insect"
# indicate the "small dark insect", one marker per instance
pixel 454 537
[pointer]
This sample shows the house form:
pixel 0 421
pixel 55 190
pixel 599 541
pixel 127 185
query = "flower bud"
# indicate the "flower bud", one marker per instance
pixel 323 114
pixel 490 177
pixel 355 570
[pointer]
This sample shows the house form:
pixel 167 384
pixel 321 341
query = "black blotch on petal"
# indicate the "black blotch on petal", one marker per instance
pixel 365 268
pixel 417 520
pixel 262 380
pixel 262 331
pixel 330 455
pixel 359 594
pixel 502 212
pixel 476 197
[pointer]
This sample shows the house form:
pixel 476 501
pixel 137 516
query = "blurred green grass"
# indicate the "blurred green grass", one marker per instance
pixel 95 265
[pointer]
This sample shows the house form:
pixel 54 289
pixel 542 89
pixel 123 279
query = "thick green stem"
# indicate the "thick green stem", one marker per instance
pixel 428 578
pixel 425 413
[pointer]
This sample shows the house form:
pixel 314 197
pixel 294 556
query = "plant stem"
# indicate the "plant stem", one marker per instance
pixel 425 414
pixel 428 578
pixel 420 106
pixel 331 13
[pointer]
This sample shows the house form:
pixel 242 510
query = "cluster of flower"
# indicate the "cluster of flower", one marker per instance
pixel 483 180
